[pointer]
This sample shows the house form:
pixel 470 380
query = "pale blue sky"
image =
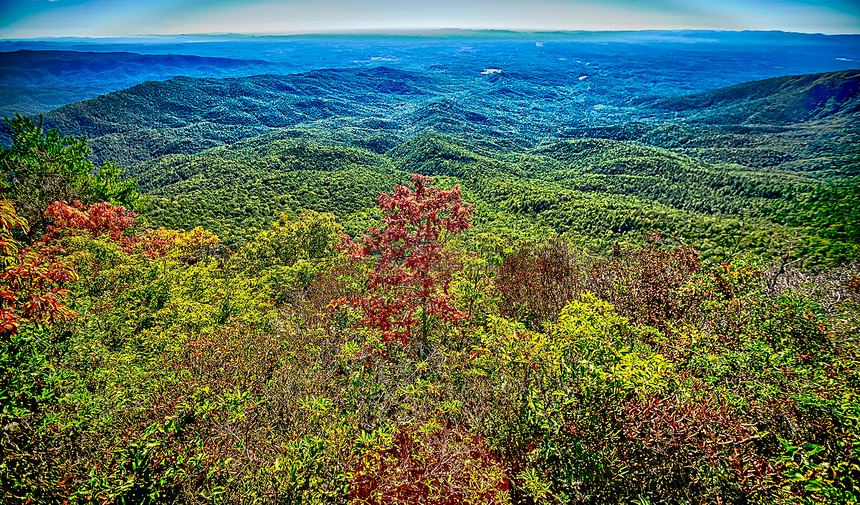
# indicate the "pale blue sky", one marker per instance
pixel 56 18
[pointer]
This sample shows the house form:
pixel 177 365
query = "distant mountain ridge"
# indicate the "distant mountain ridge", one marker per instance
pixel 30 80
pixel 386 105
pixel 187 114
pixel 66 67
pixel 262 100
pixel 780 100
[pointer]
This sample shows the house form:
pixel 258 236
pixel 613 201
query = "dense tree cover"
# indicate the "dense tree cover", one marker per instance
pixel 825 150
pixel 237 192
pixel 613 317
pixel 534 98
pixel 181 372
pixel 594 192
pixel 756 156
pixel 778 101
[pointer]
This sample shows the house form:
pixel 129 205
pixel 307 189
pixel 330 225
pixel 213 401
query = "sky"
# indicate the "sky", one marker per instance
pixel 102 18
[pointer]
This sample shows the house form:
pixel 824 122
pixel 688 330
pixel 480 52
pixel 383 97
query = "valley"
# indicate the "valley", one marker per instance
pixel 431 267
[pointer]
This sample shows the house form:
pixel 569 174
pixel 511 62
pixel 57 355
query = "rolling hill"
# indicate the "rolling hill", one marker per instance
pixel 33 82
pixel 831 96
pixel 645 288
pixel 527 142
pixel 192 114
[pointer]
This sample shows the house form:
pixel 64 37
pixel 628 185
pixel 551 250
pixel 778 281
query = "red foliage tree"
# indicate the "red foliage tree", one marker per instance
pixel 32 279
pixel 404 290
pixel 99 219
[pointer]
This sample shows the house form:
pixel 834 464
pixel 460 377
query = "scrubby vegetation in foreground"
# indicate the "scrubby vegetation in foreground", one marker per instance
pixel 427 363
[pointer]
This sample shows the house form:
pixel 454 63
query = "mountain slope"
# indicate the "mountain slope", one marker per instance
pixel 264 100
pixel 593 191
pixel 781 100
pixel 38 81
pixel 187 115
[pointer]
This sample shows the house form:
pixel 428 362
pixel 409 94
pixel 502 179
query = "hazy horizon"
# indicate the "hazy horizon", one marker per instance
pixel 430 32
pixel 35 19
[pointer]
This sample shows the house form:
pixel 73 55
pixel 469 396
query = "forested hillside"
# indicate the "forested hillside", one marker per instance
pixel 517 271
pixel 39 81
pixel 458 349
pixel 781 100
pixel 593 192
pixel 231 154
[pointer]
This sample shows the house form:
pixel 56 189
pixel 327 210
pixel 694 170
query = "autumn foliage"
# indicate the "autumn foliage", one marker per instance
pixel 95 220
pixel 405 292
pixel 188 373
pixel 431 464
pixel 33 283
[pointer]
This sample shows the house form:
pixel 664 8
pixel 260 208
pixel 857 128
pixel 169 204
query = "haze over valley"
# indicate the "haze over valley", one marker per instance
pixel 430 265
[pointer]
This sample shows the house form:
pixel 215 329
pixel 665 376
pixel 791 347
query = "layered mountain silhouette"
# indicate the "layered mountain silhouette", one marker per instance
pixel 778 101
pixel 31 80
pixel 383 106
